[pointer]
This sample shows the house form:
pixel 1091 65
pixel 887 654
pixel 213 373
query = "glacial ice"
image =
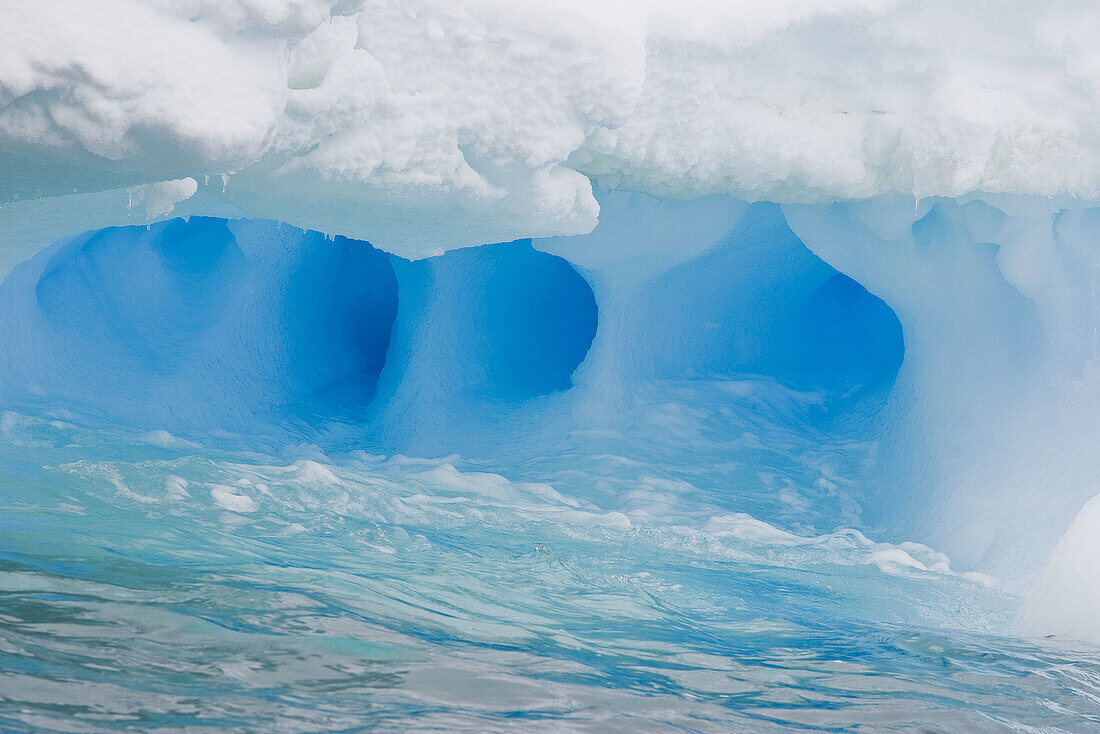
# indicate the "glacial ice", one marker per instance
pixel 661 270
pixel 969 365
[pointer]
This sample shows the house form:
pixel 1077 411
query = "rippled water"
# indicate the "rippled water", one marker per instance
pixel 147 583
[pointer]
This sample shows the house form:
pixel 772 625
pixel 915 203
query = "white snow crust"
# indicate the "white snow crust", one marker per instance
pixel 421 125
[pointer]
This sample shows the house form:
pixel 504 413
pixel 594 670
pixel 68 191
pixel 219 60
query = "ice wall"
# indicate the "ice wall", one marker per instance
pixel 251 325
pixel 934 163
pixel 995 405
pixel 718 287
pixel 199 320
pixel 211 322
pixel 958 336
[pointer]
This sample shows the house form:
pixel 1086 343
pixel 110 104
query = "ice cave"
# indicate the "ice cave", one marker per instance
pixel 493 365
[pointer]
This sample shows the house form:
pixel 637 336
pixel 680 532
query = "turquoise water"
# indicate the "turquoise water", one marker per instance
pixel 600 584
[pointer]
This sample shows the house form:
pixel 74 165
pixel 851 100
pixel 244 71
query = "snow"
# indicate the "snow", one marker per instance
pixel 129 90
pixel 161 198
pixel 423 125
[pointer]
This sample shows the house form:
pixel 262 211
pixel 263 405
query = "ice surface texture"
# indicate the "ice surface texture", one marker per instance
pixel 419 125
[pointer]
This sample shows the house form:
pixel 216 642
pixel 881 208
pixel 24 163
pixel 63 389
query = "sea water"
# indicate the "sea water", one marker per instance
pixel 612 583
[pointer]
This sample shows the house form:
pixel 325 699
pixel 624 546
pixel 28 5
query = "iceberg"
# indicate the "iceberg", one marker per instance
pixel 487 365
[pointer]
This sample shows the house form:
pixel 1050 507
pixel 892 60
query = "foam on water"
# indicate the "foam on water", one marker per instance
pixel 155 585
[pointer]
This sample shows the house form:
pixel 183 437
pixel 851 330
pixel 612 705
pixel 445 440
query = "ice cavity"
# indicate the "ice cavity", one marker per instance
pixel 197 319
pixel 242 324
pixel 717 287
pixel 421 125
pixel 995 408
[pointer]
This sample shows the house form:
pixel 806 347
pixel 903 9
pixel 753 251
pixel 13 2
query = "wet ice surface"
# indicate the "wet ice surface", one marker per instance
pixel 595 584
